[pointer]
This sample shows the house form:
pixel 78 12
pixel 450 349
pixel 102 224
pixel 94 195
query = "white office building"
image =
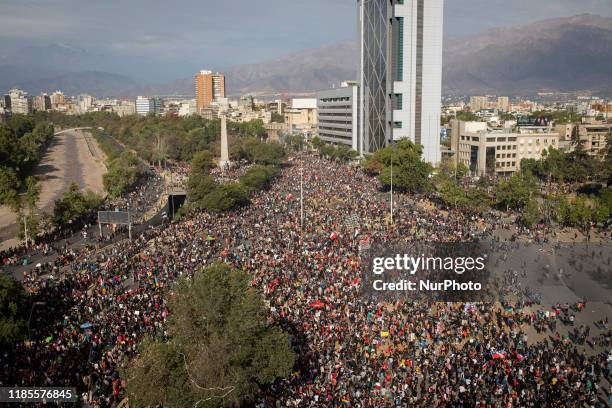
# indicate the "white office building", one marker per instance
pixel 145 105
pixel 338 113
pixel 400 74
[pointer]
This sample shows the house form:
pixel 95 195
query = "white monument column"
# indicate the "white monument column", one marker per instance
pixel 224 161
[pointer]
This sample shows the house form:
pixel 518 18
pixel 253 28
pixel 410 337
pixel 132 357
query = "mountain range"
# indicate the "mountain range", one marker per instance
pixel 564 54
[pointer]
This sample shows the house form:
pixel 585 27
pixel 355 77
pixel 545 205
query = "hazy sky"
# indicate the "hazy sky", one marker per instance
pixel 184 34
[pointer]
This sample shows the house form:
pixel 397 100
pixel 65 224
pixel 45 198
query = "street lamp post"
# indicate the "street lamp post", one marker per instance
pixel 302 196
pixel 25 229
pixel 391 187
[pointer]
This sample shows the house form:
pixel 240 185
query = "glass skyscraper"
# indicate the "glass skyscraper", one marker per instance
pixel 400 73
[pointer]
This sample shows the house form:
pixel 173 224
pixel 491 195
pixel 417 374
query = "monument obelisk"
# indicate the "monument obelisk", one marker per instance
pixel 224 162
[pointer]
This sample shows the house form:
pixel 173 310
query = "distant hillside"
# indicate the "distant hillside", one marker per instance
pixel 305 71
pixel 565 54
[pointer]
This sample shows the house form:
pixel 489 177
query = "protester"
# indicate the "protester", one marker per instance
pixel 100 304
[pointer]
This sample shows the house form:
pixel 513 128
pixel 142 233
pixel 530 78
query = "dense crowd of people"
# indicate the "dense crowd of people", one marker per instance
pixel 141 198
pixel 97 305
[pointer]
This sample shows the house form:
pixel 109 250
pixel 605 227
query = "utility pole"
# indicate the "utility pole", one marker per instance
pixel 25 229
pixel 392 154
pixel 391 187
pixel 129 224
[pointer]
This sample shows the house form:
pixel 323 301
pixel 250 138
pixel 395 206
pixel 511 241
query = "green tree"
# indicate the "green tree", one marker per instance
pixel 13 311
pixel 516 192
pixel 317 142
pixel 258 177
pixel 255 151
pixel 530 214
pixel 220 351
pixel 448 167
pixel 268 154
pixel 73 206
pixel 472 200
pixel 201 163
pixel 466 116
pixel 199 187
pixel 121 174
pixel 296 142
pixel 580 213
pixel 345 153
pixel 410 172
pixel 225 197
pixel 9 187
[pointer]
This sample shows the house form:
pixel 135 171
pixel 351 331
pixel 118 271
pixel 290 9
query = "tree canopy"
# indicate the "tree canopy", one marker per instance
pixel 220 348
pixel 13 311
pixel 410 172
pixel 21 141
pixel 516 192
pixel 74 206
pixel 258 177
pixel 121 174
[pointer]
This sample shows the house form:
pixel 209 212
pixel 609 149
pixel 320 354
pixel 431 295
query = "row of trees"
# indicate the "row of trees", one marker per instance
pixel 331 151
pixel 572 167
pixel 122 172
pixel 519 193
pixel 156 138
pixel 21 141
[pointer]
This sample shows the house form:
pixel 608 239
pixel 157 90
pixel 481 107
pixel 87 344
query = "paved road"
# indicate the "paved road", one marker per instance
pixel 73 155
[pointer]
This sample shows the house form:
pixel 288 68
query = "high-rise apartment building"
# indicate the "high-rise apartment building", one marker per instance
pixel 84 103
pixel 209 87
pixel 57 98
pixel 20 102
pixel 503 104
pixel 478 103
pixel 400 74
pixel 42 102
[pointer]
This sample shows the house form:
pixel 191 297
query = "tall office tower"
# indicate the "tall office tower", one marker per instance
pixel 209 87
pixel 400 73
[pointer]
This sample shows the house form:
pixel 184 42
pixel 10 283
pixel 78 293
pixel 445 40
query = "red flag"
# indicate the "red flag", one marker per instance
pixel 317 304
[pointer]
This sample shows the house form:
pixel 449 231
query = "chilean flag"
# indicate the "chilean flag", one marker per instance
pixel 333 236
pixel 496 355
